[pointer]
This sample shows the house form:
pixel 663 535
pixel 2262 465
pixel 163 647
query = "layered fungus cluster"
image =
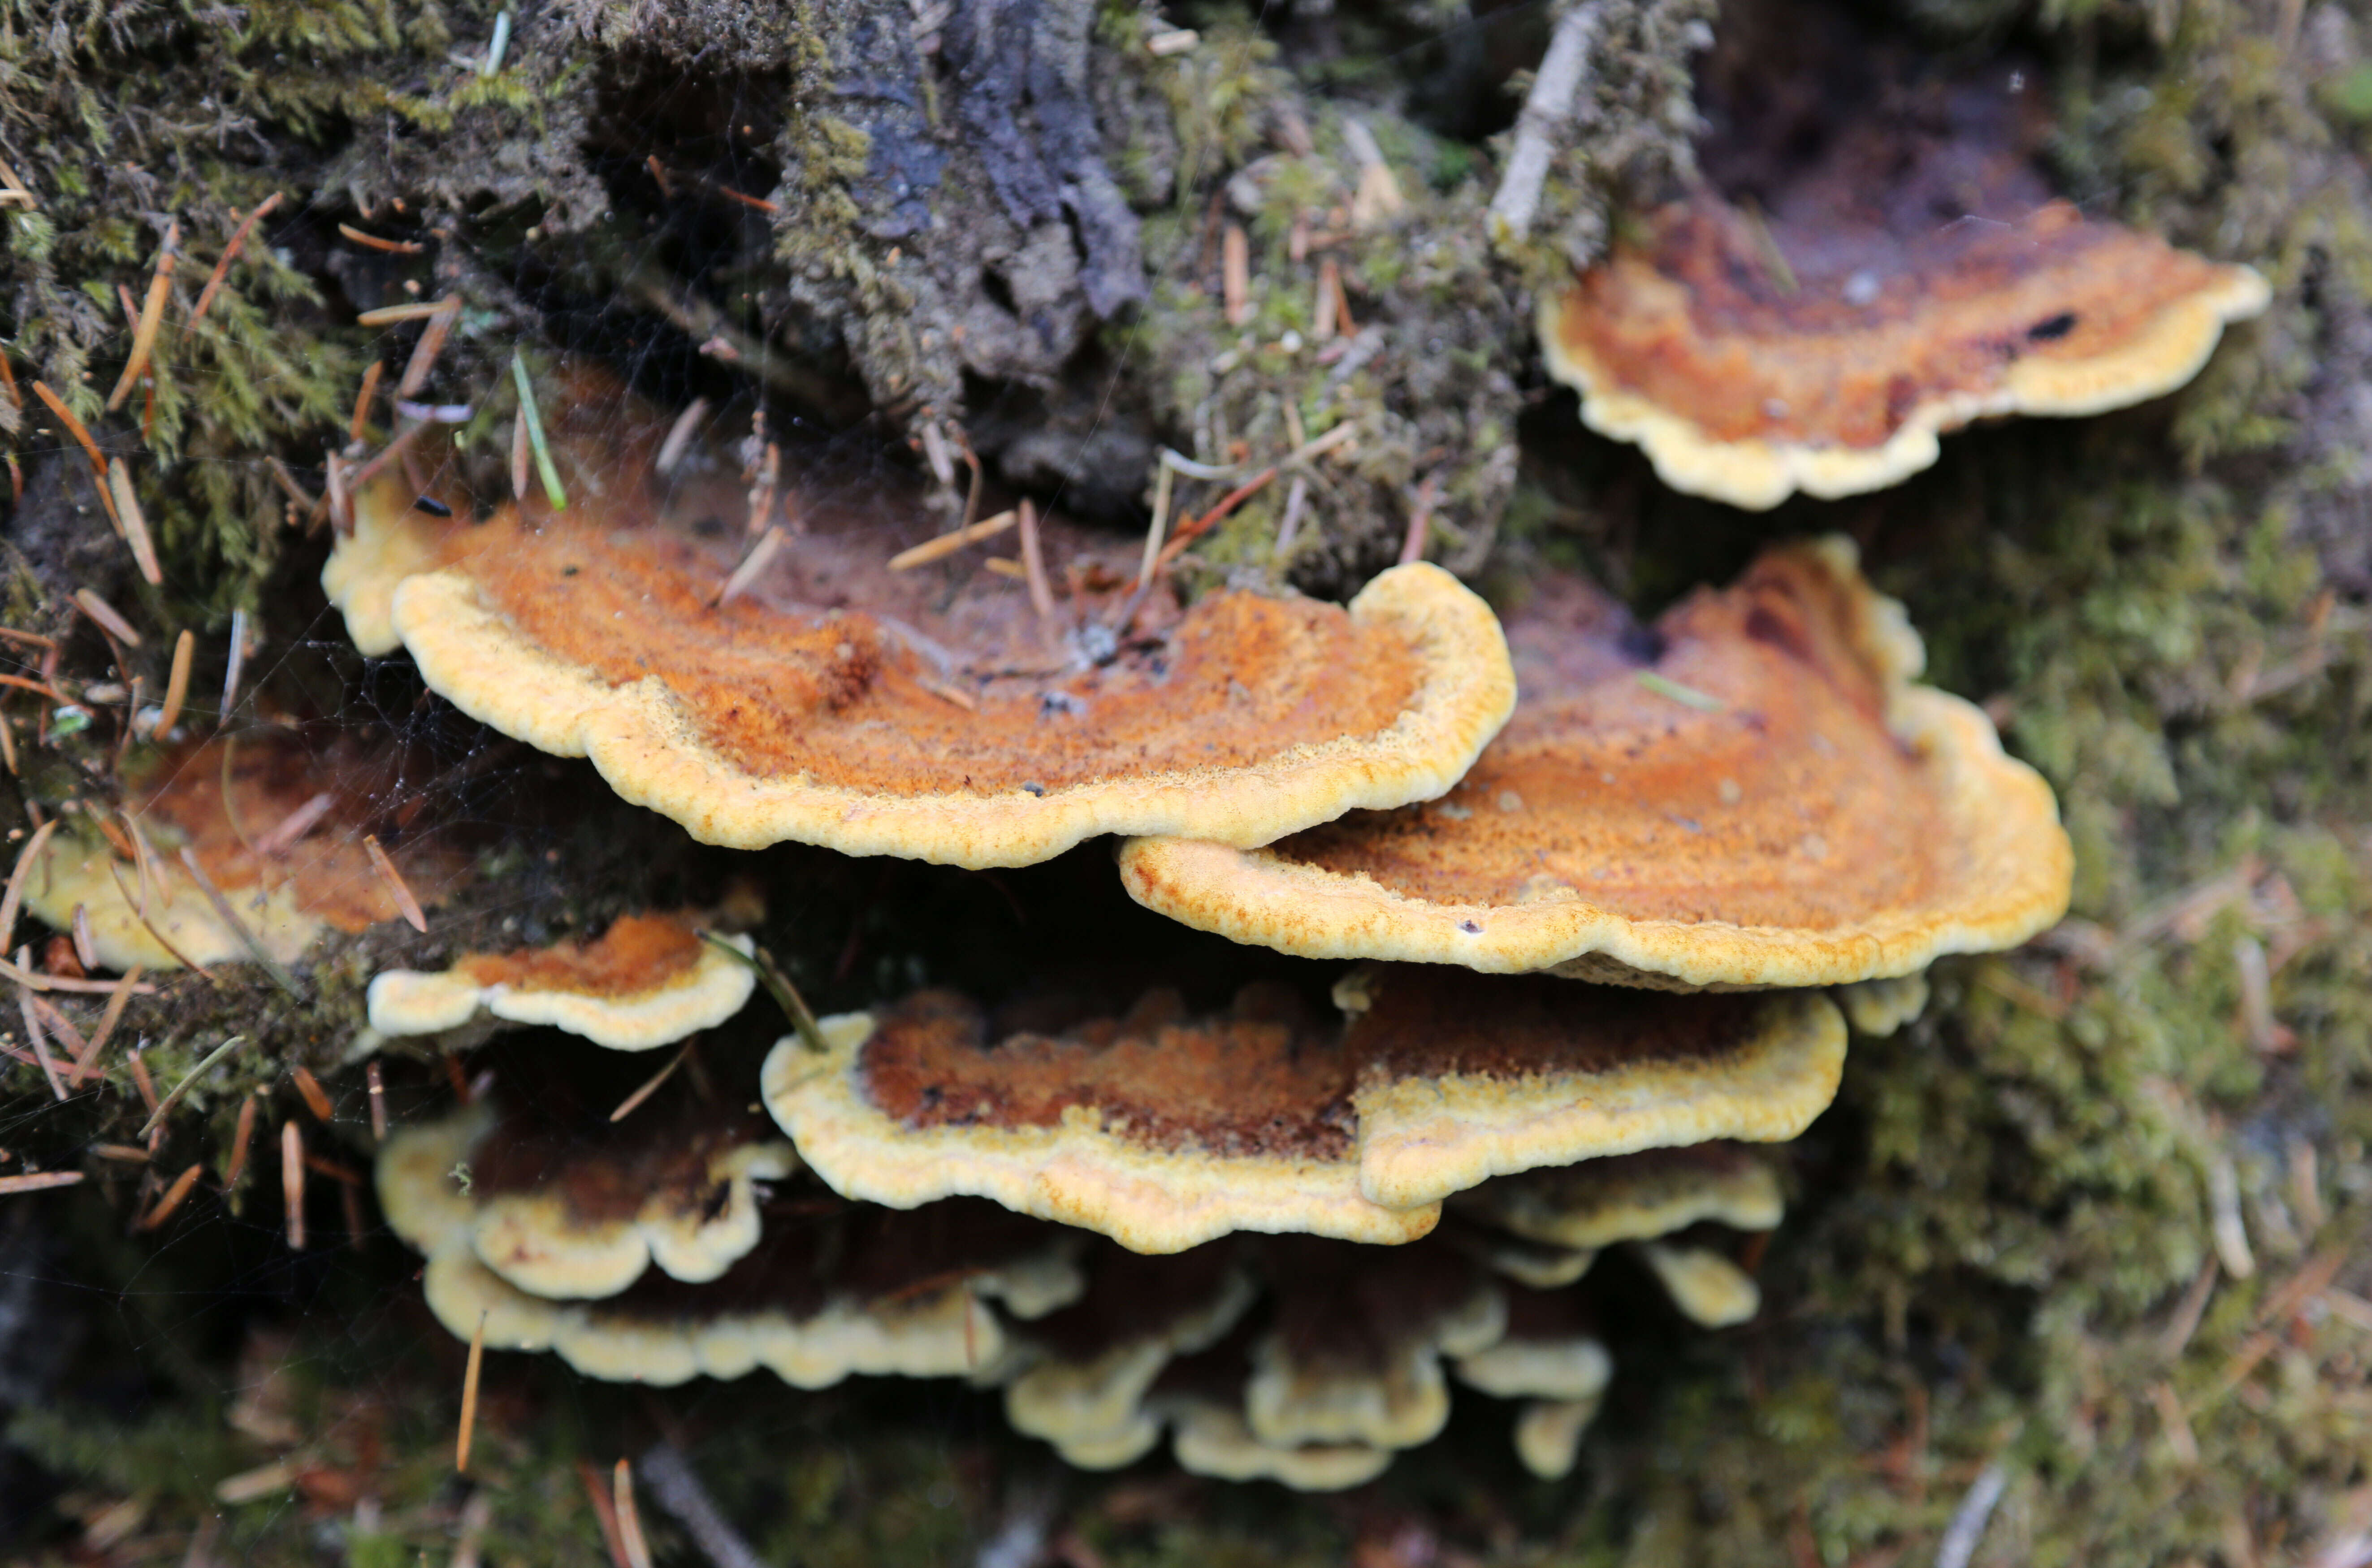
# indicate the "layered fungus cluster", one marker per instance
pixel 1558 960
pixel 1458 970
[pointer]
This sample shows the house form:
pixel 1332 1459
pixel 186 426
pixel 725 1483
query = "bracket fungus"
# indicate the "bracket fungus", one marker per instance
pixel 1095 1360
pixel 1160 1129
pixel 1751 358
pixel 277 839
pixel 1597 1202
pixel 797 688
pixel 649 981
pixel 1551 1357
pixel 1753 792
pixel 1164 1131
pixel 865 1290
pixel 577 1213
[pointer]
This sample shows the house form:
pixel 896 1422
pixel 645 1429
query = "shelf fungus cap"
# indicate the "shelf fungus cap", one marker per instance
pixel 1547 1350
pixel 1465 1077
pixel 1094 1362
pixel 1214 1439
pixel 1160 1129
pixel 829 699
pixel 1549 1431
pixel 1713 1292
pixel 1834 369
pixel 146 909
pixel 1753 792
pixel 1878 1007
pixel 860 1292
pixel 1597 1202
pixel 649 981
pixel 1354 1351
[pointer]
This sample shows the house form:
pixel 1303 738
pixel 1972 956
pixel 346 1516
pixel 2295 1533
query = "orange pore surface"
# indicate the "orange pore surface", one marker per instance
pixel 829 666
pixel 1833 341
pixel 638 953
pixel 1264 1078
pixel 1793 806
pixel 272 776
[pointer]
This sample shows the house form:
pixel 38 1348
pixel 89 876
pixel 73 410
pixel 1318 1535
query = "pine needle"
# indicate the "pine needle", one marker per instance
pixel 230 253
pixel 177 685
pixel 152 316
pixel 552 489
pixel 174 1197
pixel 469 1397
pixel 292 1180
pixel 165 1106
pixel 412 916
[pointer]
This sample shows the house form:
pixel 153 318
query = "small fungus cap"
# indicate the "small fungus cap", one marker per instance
pixel 1753 794
pixel 934 714
pixel 285 896
pixel 1833 370
pixel 1160 1129
pixel 649 981
pixel 1595 1204
pixel 1463 1077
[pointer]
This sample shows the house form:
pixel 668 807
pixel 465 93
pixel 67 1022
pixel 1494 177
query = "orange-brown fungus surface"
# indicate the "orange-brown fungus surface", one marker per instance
pixel 1697 322
pixel 1261 1078
pixel 931 712
pixel 638 953
pixel 1751 792
pixel 1431 1024
pixel 272 777
pixel 1884 264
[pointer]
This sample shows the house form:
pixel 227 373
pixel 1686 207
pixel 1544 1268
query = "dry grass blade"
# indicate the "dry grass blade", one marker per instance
pixel 241 1141
pixel 177 685
pixel 543 464
pixel 469 1398
pixel 1033 562
pixel 13 899
pixel 135 522
pixel 230 916
pixel 75 428
pixel 163 1107
pixel 947 544
pixel 122 1154
pixel 230 253
pixel 144 1084
pixel 152 316
pixel 40 1042
pixel 761 555
pixel 629 1520
pixel 109 1016
pixel 106 617
pixel 282 835
pixel 372 241
pixel 651 1086
pixel 1420 523
pixel 316 1098
pixel 287 482
pixel 377 1081
pixel 86 953
pixel 394 315
pixel 431 344
pixel 38 1181
pixel 395 884
pixel 175 1196
pixel 679 434
pixel 292 1181
pixel 359 425
pixel 778 986
pixel 236 667
pixel 1210 519
pixel 1235 275
pixel 333 471
pixel 1163 476
pixel 605 1512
